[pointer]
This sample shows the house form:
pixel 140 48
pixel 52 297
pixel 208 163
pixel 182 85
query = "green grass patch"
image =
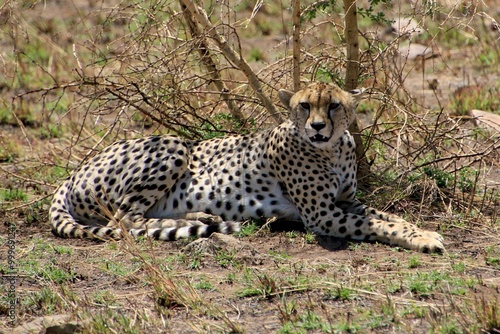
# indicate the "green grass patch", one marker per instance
pixel 53 273
pixel 103 297
pixel 248 229
pixel 51 131
pixel 226 258
pixel 203 284
pixel 116 268
pixel 340 293
pixel 485 98
pixel 414 262
pixel 111 320
pixel 493 256
pixel 45 300
pixel 309 322
pixel 13 195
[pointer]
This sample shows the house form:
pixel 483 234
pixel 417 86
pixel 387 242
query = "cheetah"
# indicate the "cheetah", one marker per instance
pixel 169 188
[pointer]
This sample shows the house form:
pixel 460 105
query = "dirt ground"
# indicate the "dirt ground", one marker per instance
pixel 285 269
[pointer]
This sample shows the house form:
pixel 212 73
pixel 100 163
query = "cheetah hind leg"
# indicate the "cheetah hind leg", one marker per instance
pixel 132 216
pixel 203 217
pixel 180 220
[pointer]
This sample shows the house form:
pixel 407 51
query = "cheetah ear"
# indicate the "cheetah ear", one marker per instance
pixel 285 96
pixel 358 94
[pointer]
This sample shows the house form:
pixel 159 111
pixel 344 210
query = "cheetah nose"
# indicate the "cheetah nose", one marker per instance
pixel 318 125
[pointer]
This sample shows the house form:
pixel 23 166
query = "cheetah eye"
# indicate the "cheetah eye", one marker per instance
pixel 305 105
pixel 333 105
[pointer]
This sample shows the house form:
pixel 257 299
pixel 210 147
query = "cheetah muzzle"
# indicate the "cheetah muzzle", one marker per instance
pixel 319 138
pixel 169 188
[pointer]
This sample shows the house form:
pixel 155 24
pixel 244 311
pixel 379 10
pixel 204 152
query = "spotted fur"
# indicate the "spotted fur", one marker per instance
pixel 169 188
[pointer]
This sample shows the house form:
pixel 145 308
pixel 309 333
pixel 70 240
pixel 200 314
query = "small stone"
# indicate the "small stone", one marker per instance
pixel 414 51
pixel 242 251
pixel 51 324
pixel 486 120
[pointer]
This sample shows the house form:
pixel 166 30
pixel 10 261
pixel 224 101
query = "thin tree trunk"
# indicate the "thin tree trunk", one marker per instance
pixel 296 44
pixel 351 36
pixel 351 78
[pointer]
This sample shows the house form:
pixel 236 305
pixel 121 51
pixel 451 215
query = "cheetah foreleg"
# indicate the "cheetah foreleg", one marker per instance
pixel 406 235
pixel 361 227
pixel 358 208
pixel 393 229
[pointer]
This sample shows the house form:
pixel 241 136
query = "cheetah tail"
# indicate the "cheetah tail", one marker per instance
pixel 65 226
pixel 176 233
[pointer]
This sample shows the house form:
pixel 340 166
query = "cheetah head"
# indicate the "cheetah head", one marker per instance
pixel 321 112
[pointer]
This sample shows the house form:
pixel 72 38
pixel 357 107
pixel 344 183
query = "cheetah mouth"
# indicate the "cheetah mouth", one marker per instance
pixel 319 138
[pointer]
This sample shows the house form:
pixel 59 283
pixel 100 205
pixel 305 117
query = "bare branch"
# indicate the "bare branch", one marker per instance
pixel 207 59
pixel 234 57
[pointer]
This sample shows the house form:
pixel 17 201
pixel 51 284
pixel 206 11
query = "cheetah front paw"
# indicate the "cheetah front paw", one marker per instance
pixel 428 242
pixel 433 235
